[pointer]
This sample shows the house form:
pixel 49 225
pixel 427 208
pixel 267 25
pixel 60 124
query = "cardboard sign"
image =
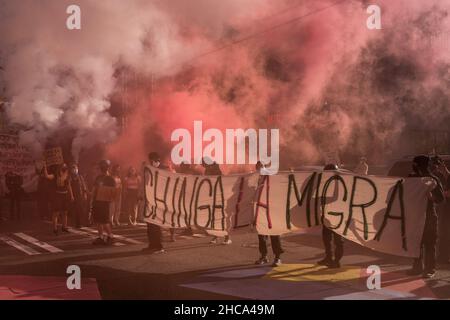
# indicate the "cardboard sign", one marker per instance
pixel 53 156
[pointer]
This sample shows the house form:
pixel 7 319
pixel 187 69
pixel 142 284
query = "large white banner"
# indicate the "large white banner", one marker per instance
pixel 382 213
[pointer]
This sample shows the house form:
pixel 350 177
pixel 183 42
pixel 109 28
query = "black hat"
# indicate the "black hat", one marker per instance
pixel 153 156
pixel 330 167
pixel 422 161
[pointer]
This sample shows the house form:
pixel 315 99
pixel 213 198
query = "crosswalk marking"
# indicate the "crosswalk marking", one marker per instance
pixel 24 248
pixel 91 236
pixel 36 242
pixel 120 237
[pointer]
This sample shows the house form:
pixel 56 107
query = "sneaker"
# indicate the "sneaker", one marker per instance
pixel 98 241
pixel 159 251
pixel 213 241
pixel 334 265
pixel 414 272
pixel 262 260
pixel 325 262
pixel 228 241
pixel 148 250
pixel 276 262
pixel 429 274
pixel 109 241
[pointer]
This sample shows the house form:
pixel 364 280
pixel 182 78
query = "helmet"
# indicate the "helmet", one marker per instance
pixel 104 164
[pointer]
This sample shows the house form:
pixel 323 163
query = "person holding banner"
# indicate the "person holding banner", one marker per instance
pixel 104 193
pixel 132 184
pixel 213 169
pixel 329 237
pixel 440 170
pixel 14 184
pixel 61 195
pixel 426 263
pixel 116 205
pixel 262 239
pixel 154 232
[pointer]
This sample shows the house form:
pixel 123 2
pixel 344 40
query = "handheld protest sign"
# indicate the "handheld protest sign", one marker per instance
pixel 53 156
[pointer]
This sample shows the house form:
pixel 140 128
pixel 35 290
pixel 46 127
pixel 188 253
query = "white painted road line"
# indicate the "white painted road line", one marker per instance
pixel 36 242
pixel 19 246
pixel 116 236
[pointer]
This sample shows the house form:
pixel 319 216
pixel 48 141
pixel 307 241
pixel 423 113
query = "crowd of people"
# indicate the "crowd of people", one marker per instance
pixel 115 198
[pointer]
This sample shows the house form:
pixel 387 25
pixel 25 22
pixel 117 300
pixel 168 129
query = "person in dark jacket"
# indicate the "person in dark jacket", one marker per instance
pixel 79 190
pixel 14 184
pixel 330 237
pixel 426 263
pixel 154 232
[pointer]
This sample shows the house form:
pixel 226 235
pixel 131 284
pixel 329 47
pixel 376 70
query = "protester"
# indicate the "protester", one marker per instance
pixel 132 184
pixel 79 190
pixel 14 184
pixel 101 205
pixel 262 239
pixel 362 168
pixel 213 169
pixel 426 263
pixel 116 205
pixel 154 232
pixel 440 170
pixel 42 195
pixel 60 195
pixel 141 198
pixel 330 237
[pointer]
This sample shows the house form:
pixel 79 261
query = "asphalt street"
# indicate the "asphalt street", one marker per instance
pixel 34 262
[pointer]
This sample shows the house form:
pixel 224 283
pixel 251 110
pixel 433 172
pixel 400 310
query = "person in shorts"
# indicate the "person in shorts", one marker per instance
pixel 101 204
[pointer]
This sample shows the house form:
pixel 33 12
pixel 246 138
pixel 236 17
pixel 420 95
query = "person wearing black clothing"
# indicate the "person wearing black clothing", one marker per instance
pixel 101 206
pixel 43 190
pixel 262 239
pixel 14 184
pixel 61 195
pixel 154 233
pixel 213 169
pixel 330 237
pixel 440 170
pixel 79 191
pixel 426 263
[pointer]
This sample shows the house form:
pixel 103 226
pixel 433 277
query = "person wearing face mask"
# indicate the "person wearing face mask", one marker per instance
pixel 116 205
pixel 426 263
pixel 213 169
pixel 277 249
pixel 131 193
pixel 61 195
pixel 154 232
pixel 79 191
